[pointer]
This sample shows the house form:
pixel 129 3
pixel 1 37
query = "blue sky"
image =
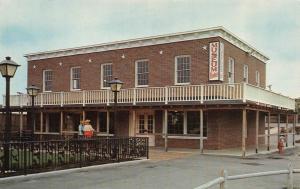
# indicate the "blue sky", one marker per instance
pixel 271 26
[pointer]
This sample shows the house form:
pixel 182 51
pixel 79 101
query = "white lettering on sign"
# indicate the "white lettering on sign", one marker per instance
pixel 214 61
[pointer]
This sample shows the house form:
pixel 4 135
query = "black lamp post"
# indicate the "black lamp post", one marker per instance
pixel 8 69
pixel 32 91
pixel 115 86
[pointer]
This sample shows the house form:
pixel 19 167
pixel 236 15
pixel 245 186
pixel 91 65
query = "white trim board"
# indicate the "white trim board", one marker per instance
pixel 153 40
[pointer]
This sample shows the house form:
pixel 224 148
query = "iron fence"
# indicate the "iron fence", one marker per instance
pixel 27 157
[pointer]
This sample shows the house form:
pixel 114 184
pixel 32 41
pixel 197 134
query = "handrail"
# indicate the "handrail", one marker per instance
pixel 222 180
pixel 180 93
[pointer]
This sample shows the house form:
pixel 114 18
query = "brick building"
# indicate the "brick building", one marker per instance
pixel 197 89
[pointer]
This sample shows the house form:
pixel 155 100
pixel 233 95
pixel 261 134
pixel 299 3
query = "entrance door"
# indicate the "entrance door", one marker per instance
pixel 145 127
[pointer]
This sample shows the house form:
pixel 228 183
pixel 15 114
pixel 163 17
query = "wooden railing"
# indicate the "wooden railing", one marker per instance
pixel 223 180
pixel 196 93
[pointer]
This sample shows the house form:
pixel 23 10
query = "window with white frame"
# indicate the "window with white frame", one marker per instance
pixel 142 73
pixel 186 122
pixel 106 73
pixel 257 78
pixel 47 80
pixel 182 69
pixel 231 70
pixel 75 78
pixel 246 73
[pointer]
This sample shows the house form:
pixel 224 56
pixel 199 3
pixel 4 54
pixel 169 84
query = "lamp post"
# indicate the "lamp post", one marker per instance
pixel 8 69
pixel 32 91
pixel 115 86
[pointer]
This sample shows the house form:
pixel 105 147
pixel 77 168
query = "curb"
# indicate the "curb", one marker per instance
pixel 67 171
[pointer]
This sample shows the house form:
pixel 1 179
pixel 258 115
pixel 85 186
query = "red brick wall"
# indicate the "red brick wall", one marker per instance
pixel 161 67
pixel 224 131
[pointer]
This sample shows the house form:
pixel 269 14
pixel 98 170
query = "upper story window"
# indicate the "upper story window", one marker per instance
pixel 257 78
pixel 75 78
pixel 182 69
pixel 142 73
pixel 47 80
pixel 246 73
pixel 231 70
pixel 106 75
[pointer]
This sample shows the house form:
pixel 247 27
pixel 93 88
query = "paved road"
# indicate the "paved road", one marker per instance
pixel 181 172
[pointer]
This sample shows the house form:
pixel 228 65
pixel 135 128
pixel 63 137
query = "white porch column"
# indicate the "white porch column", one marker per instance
pixel 61 122
pixel 201 131
pixel 166 129
pixel 278 128
pixel 244 133
pixel 83 115
pixel 21 122
pixel 294 128
pixel 287 130
pixel 107 122
pixel 98 122
pixel 256 130
pixel 268 141
pixel 41 121
pixel 134 122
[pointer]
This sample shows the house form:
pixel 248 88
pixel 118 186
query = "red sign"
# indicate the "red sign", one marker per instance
pixel 214 61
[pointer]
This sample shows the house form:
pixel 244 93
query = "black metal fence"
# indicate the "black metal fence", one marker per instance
pixel 27 157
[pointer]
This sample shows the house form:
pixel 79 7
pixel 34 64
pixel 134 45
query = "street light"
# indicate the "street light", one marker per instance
pixel 32 91
pixel 8 69
pixel 115 86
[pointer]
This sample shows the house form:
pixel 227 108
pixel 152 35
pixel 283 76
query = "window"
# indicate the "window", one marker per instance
pixel 193 123
pixel 106 73
pixel 246 73
pixel 141 125
pixel 175 122
pixel 145 123
pixel 186 122
pixel 47 78
pixel 150 123
pixel 231 70
pixel 182 69
pixel 75 78
pixel 142 72
pixel 102 122
pixel 257 78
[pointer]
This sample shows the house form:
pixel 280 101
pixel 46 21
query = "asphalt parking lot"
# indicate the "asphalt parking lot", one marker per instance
pixel 184 170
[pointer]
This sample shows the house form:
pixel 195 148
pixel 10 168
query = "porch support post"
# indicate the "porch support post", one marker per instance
pixel 201 131
pixel 278 128
pixel 98 122
pixel 133 123
pixel 107 122
pixel 268 141
pixel 41 122
pixel 244 133
pixel 83 115
pixel 166 129
pixel 61 121
pixel 294 127
pixel 287 130
pixel 21 122
pixel 256 130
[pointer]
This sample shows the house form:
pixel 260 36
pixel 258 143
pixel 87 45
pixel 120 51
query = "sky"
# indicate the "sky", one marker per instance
pixel 271 26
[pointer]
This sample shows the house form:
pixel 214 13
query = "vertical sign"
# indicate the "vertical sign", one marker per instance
pixel 221 64
pixel 216 61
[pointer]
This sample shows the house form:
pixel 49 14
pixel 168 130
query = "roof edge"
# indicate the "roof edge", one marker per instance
pixel 218 31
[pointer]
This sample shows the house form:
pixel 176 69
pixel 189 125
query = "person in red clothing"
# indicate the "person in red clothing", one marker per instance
pixel 88 129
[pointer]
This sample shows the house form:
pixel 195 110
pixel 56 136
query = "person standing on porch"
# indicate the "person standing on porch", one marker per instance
pixel 80 129
pixel 88 129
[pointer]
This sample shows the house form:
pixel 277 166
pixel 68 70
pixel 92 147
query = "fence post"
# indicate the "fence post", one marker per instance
pixel 244 91
pixel 201 93
pixel 290 184
pixel 223 185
